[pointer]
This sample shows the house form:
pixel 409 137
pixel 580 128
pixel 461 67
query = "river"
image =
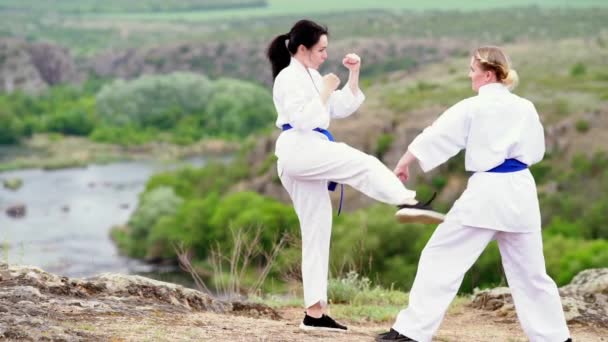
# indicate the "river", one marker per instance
pixel 69 214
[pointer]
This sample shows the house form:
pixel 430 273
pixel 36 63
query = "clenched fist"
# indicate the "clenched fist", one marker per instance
pixel 352 62
pixel 331 82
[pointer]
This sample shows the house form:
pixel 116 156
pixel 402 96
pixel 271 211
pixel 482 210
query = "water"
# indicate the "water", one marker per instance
pixel 69 214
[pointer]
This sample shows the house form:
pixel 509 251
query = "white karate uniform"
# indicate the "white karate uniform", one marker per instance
pixel 493 126
pixel 307 160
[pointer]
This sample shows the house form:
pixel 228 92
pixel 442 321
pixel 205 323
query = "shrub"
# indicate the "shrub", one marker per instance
pixel 153 100
pixel 541 171
pixel 11 128
pixel 238 108
pixel 153 206
pixel 188 226
pixel 565 257
pixel 73 122
pixel 578 69
pixel 344 290
pixel 249 209
pixel 582 126
pixel 124 135
pixel 385 141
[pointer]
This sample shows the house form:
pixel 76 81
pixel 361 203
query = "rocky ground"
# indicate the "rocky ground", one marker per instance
pixel 38 306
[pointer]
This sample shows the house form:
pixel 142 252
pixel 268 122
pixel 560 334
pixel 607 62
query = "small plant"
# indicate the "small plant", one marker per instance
pixel 344 290
pixel 578 69
pixel 582 126
pixel 439 182
pixel 246 250
pixel 13 183
pixel 355 298
pixel 385 141
pixel 357 290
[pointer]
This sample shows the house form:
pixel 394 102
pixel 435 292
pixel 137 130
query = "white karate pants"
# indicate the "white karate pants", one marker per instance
pixel 452 250
pixel 306 162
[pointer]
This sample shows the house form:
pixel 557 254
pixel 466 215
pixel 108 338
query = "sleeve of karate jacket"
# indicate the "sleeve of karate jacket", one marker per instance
pixel 444 138
pixel 533 137
pixel 343 102
pixel 303 111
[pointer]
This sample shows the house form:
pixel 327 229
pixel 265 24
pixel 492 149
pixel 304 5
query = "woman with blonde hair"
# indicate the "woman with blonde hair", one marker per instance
pixel 502 135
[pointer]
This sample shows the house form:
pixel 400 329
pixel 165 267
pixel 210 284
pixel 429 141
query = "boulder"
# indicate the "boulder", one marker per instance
pixel 585 299
pixel 16 211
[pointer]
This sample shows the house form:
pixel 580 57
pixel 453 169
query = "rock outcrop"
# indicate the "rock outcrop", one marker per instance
pixel 34 302
pixel 16 210
pixel 33 67
pixel 585 299
pixel 246 60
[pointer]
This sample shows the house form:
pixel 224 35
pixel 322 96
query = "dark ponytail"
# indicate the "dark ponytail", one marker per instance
pixel 278 54
pixel 282 47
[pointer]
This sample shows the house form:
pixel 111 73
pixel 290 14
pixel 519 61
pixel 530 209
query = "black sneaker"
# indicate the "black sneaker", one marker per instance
pixel 393 335
pixel 419 213
pixel 325 323
pixel 568 340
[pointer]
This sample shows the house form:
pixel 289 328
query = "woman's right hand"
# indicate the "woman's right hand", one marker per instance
pixel 402 170
pixel 331 82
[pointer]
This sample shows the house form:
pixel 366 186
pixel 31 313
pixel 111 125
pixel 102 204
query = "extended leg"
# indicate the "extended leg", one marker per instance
pixel 535 294
pixel 450 252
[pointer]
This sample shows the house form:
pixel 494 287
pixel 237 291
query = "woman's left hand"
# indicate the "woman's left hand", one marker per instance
pixel 352 62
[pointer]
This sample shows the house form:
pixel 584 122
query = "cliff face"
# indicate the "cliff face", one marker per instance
pixel 32 67
pixel 247 59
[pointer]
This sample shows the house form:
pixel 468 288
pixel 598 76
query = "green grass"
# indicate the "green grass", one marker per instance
pixel 315 7
pixel 546 78
pixel 366 313
pixel 278 302
pixel 373 311
pixel 88 33
pixel 422 95
pixel 95 6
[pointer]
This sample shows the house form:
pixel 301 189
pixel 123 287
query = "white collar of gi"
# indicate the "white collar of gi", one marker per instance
pixel 296 63
pixel 492 88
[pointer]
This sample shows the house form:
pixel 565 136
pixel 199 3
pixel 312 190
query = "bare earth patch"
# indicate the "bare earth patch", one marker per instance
pixel 40 306
pixel 465 325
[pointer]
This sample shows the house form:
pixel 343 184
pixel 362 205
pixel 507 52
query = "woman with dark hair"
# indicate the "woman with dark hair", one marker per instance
pixel 502 135
pixel 309 158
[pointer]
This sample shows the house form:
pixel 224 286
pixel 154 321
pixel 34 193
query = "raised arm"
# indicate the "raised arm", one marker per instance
pixel 347 100
pixel 438 142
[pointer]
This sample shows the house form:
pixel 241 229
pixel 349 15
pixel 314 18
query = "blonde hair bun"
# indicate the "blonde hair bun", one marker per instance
pixel 494 59
pixel 512 79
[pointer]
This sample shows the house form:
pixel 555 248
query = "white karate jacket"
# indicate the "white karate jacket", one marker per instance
pixel 493 126
pixel 298 102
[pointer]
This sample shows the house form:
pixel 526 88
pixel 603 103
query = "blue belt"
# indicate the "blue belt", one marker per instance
pixel 509 165
pixel 331 186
